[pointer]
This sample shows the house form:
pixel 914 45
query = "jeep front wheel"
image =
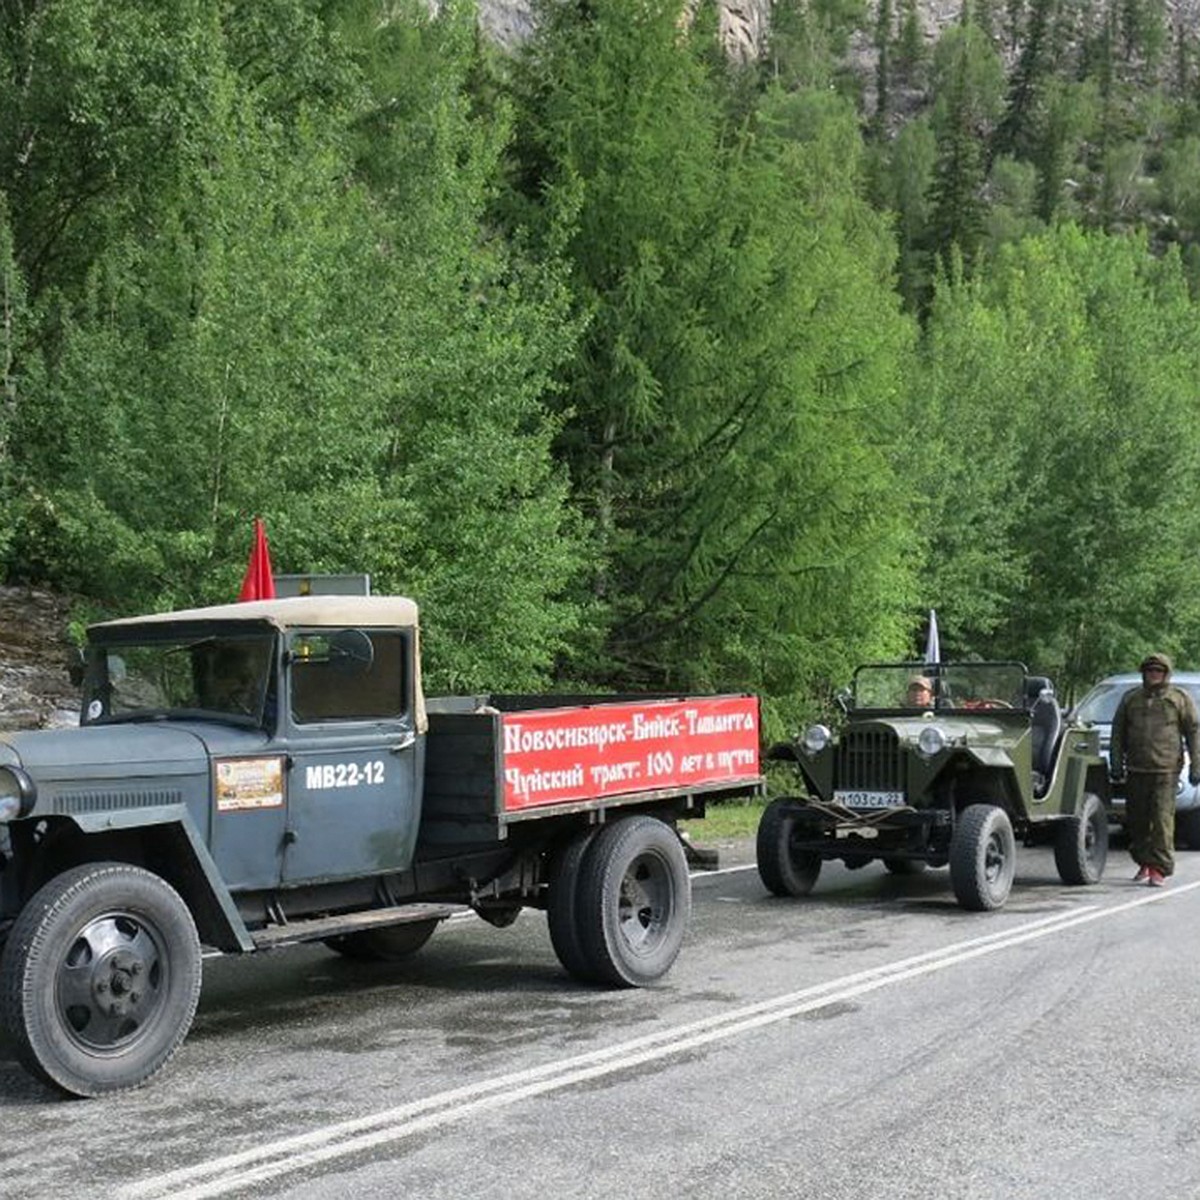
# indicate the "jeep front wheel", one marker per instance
pixel 784 870
pixel 99 978
pixel 983 857
pixel 1081 843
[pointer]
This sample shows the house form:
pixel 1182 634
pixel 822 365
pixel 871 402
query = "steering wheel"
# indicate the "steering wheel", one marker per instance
pixel 986 702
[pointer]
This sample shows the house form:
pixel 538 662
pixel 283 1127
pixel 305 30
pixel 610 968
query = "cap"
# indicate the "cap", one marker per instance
pixel 1156 660
pixel 921 681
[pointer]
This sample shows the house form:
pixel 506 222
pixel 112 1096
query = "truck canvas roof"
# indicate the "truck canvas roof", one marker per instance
pixel 291 612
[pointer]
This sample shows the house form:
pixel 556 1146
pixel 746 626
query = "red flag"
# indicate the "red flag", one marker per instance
pixel 259 583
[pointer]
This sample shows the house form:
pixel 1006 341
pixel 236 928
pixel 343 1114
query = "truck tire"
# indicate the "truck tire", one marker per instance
pixel 1081 843
pixel 633 901
pixel 99 978
pixel 562 907
pixel 783 870
pixel 983 857
pixel 391 943
pixel 1187 828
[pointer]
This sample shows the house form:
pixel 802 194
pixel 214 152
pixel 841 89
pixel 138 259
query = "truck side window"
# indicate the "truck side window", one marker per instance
pixel 347 675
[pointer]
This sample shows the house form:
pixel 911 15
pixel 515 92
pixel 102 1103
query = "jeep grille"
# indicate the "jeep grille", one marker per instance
pixel 869 759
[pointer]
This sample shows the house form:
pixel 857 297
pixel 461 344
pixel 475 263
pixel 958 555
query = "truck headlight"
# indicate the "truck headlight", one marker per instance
pixel 931 742
pixel 17 793
pixel 815 739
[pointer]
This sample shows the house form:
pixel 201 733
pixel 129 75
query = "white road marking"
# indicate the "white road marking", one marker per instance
pixel 233 1172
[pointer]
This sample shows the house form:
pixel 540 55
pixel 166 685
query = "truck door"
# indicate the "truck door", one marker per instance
pixel 352 754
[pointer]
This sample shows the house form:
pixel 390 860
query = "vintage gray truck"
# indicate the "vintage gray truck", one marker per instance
pixel 936 764
pixel 253 775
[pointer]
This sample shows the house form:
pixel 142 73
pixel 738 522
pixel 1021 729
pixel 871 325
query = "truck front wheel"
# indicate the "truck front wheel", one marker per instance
pixel 983 857
pixel 99 978
pixel 633 901
pixel 784 870
pixel 1081 843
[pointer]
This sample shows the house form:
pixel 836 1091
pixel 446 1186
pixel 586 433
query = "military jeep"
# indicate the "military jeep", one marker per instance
pixel 988 759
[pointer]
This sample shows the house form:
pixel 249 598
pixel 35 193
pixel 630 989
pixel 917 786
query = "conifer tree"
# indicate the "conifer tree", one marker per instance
pixel 968 82
pixel 883 64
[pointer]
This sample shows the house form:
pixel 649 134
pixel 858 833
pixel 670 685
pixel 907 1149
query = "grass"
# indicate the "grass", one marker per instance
pixel 727 819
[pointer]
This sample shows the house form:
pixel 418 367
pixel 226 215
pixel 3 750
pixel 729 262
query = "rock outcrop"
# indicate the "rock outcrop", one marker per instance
pixel 35 690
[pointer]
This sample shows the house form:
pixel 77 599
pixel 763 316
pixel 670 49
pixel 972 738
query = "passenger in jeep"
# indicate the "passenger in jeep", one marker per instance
pixel 919 693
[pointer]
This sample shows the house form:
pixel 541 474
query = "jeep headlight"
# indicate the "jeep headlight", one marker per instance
pixel 17 793
pixel 931 742
pixel 815 739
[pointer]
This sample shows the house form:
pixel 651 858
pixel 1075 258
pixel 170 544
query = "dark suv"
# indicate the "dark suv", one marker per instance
pixel 989 759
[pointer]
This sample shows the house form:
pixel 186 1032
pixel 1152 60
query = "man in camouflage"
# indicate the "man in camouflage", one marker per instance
pixel 1151 727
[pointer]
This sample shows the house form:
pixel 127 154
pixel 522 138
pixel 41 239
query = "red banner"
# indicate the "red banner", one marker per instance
pixel 557 755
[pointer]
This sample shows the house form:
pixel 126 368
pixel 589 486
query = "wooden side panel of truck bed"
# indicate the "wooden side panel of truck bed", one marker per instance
pixel 490 763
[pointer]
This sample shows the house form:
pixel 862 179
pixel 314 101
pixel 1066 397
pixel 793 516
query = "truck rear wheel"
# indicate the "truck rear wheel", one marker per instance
pixel 633 901
pixel 1081 843
pixel 784 870
pixel 99 978
pixel 983 857
pixel 391 943
pixel 562 908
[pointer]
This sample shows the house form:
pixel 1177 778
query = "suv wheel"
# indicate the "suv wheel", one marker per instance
pixel 1187 828
pixel 983 857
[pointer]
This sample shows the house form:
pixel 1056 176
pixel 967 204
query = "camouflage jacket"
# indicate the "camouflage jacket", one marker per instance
pixel 1150 729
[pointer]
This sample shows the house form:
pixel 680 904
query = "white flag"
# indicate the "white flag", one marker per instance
pixel 933 648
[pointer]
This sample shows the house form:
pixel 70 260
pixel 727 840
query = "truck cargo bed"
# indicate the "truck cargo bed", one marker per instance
pixel 493 761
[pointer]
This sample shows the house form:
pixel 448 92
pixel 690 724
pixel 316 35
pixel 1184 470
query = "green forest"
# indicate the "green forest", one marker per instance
pixel 637 366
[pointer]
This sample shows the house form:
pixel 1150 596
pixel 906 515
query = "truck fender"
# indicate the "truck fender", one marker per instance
pixel 179 855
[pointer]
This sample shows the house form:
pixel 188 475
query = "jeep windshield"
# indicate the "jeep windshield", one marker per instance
pixel 920 686
pixel 224 677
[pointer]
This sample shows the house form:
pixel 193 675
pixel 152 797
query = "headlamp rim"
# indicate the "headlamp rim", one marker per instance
pixel 26 790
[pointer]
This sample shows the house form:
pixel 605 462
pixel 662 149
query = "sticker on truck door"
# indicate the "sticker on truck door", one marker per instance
pixel 249 783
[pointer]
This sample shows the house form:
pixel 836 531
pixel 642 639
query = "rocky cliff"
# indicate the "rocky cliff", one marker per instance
pixel 744 23
pixel 35 691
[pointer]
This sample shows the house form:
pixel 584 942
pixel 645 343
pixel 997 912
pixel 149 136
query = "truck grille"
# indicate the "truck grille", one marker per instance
pixel 79 802
pixel 869 759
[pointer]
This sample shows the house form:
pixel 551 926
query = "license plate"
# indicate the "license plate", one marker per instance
pixel 863 799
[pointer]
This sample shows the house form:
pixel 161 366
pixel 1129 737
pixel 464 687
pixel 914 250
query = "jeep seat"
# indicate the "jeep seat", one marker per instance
pixel 1046 725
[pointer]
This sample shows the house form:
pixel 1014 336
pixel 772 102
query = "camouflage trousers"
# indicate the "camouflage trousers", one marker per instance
pixel 1150 819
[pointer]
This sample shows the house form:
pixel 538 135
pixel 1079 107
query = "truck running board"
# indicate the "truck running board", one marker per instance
pixel 318 928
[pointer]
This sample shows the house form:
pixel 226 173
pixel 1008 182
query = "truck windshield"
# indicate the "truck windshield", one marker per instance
pixel 919 686
pixel 225 677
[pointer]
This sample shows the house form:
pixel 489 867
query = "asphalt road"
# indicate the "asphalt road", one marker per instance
pixel 870 1041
